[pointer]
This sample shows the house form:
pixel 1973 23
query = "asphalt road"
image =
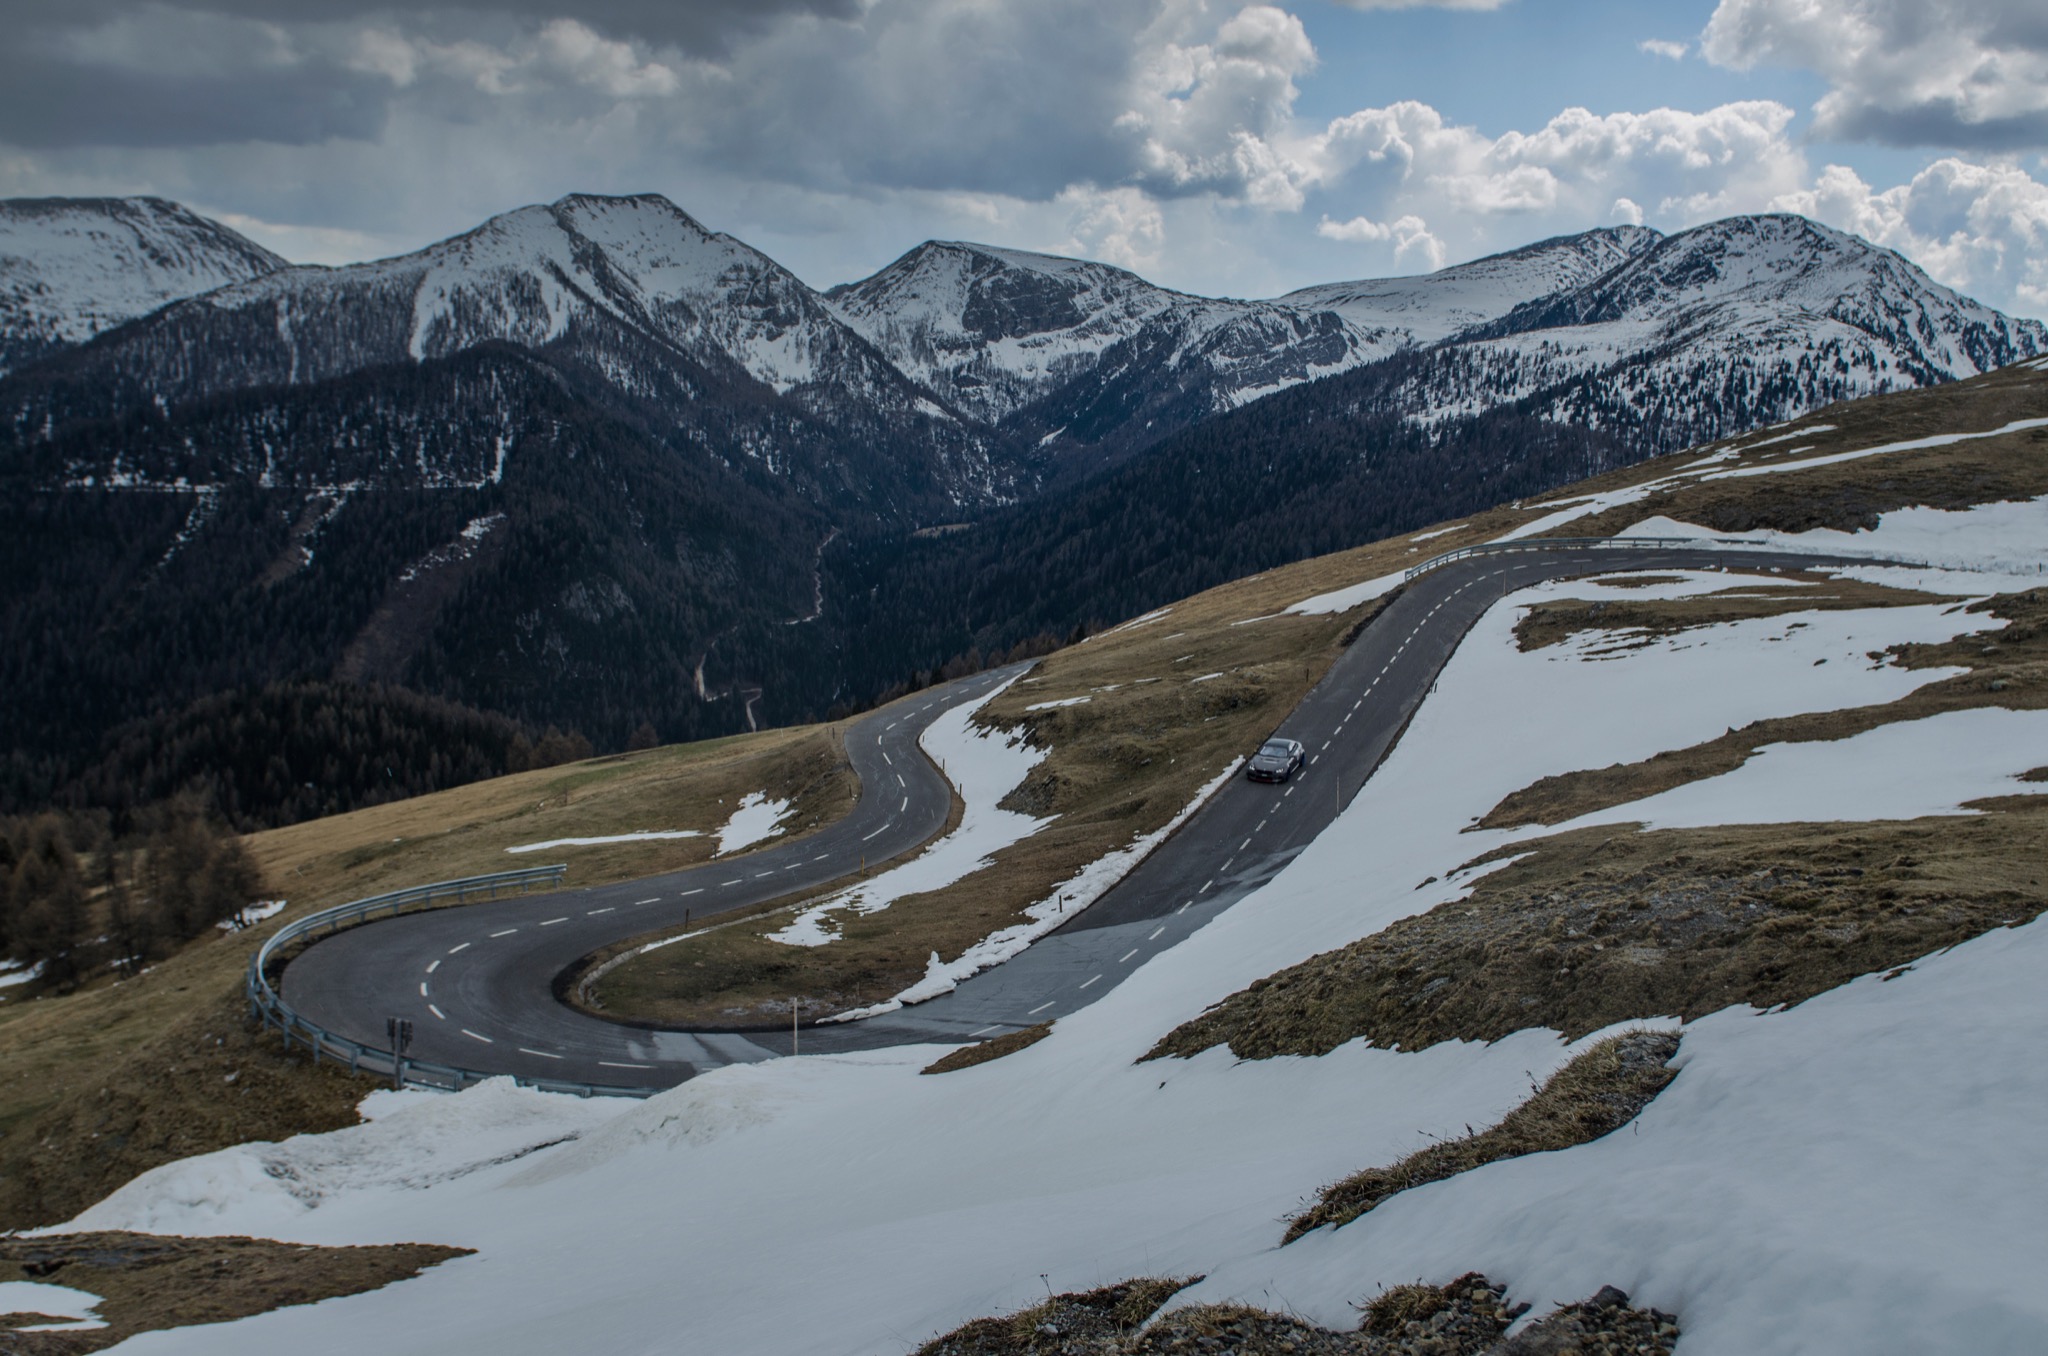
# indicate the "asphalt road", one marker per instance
pixel 477 980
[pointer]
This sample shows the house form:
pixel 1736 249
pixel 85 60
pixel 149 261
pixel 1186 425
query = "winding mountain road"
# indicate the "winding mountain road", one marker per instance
pixel 477 981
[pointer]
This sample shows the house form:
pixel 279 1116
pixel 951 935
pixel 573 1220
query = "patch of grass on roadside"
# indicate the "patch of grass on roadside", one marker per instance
pixel 2006 668
pixel 148 1282
pixel 1604 925
pixel 967 1056
pixel 1598 1092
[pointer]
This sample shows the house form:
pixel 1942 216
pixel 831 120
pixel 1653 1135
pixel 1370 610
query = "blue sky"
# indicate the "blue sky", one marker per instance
pixel 1213 145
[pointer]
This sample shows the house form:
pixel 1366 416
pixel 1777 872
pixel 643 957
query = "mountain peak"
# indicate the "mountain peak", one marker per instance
pixel 73 267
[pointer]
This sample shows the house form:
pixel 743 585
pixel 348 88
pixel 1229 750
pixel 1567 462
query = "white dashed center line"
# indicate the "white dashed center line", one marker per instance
pixel 655 900
pixel 722 884
pixel 983 1032
pixel 1040 1008
pixel 1156 931
pixel 1090 980
pixel 687 893
pixel 437 1012
pixel 423 988
pixel 542 1053
pixel 877 833
pixel 592 913
pixel 904 806
pixel 453 949
pixel 1127 955
pixel 476 1036
pixel 435 966
pixel 615 1064
pixel 552 921
pixel 506 933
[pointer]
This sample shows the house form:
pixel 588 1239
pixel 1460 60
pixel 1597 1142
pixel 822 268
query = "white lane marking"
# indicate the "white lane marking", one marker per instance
pixel 763 875
pixel 615 1064
pixel 1227 863
pixel 1261 828
pixel 592 913
pixel 887 759
pixel 1326 745
pixel 435 966
pixel 685 895
pixel 525 1050
pixel 1040 1008
pixel 1156 931
pixel 904 806
pixel 1086 982
pixel 793 866
pixel 900 781
pixel 1205 886
pixel 476 1036
pixel 983 1032
pixel 877 833
pixel 1127 955
pixel 506 933
pixel 552 921
pixel 638 902
pixel 1185 907
pixel 1288 792
pixel 423 988
pixel 437 1012
pixel 1241 847
pixel 821 857
pixel 453 949
pixel 890 726
pixel 722 884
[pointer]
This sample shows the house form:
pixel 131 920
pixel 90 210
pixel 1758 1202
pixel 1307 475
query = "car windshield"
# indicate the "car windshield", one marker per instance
pixel 1275 748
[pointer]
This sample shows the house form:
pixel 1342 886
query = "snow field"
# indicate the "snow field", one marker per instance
pixel 846 1204
pixel 636 836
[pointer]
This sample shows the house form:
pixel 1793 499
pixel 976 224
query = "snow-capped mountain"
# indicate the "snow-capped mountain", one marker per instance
pixel 694 334
pixel 73 267
pixel 1735 323
pixel 1429 307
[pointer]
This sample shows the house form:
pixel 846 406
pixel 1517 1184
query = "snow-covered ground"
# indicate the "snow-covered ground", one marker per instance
pixel 755 819
pixel 1857 1173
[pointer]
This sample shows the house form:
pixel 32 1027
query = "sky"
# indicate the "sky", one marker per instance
pixel 1212 145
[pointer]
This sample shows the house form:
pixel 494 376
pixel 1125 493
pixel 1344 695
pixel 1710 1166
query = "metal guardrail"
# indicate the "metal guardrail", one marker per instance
pixel 1566 543
pixel 269 1005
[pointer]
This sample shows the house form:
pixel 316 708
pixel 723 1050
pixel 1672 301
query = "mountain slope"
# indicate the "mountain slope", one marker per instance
pixel 73 267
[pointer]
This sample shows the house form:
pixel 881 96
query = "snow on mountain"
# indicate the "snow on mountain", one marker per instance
pixel 1736 323
pixel 1434 306
pixel 995 329
pixel 73 267
pixel 530 276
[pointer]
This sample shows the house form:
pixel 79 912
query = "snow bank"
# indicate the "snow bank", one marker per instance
pixel 2001 541
pixel 984 766
pixel 1068 898
pixel 57 1301
pixel 755 818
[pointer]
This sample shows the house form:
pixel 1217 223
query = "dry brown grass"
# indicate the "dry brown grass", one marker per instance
pixel 981 1052
pixel 2007 668
pixel 1092 1321
pixel 146 1282
pixel 1598 1092
pixel 1605 925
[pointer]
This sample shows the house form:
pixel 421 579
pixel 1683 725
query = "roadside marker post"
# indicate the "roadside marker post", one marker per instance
pixel 399 1031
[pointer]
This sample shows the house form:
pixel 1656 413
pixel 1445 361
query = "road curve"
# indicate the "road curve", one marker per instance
pixel 477 980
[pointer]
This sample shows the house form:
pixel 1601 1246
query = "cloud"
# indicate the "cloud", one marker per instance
pixel 1981 229
pixel 1954 73
pixel 1119 226
pixel 1659 47
pixel 1423 4
pixel 1413 242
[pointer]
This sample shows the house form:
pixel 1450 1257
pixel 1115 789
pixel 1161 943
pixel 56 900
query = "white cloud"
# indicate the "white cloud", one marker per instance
pixel 1964 73
pixel 1119 226
pixel 1626 210
pixel 1423 4
pixel 1413 243
pixel 1981 229
pixel 1660 47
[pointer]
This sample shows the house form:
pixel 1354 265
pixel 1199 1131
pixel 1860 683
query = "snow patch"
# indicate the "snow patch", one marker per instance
pixel 756 818
pixel 636 836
